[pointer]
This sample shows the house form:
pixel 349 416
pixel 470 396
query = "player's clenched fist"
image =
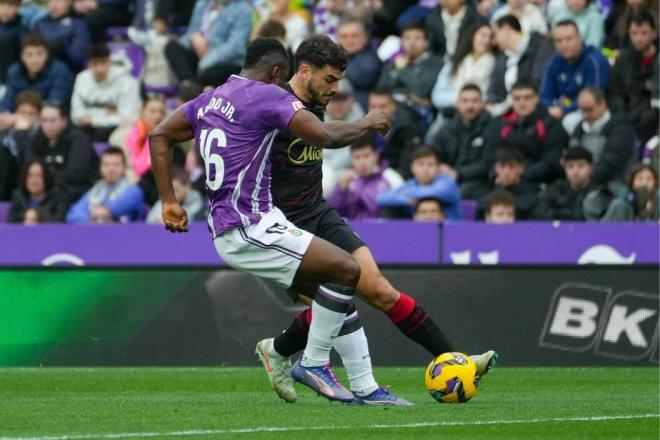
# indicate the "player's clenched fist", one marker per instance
pixel 175 217
pixel 379 121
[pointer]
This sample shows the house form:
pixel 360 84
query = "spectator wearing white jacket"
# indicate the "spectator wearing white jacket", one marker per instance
pixel 104 95
pixel 530 16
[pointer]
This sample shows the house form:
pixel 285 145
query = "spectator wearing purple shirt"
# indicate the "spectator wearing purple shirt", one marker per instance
pixel 355 196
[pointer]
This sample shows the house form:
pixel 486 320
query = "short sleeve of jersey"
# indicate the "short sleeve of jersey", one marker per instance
pixel 189 109
pixel 277 107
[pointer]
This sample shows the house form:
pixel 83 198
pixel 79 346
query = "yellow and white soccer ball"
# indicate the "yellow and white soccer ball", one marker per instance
pixel 452 378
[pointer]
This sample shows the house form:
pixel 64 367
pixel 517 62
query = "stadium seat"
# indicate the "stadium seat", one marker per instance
pixel 165 91
pixel 100 147
pixel 469 208
pixel 4 212
pixel 131 52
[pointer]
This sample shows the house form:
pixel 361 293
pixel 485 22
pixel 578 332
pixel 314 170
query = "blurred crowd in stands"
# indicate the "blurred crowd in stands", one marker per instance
pixel 517 110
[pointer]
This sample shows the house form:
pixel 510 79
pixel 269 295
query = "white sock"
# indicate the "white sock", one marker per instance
pixel 328 313
pixel 353 349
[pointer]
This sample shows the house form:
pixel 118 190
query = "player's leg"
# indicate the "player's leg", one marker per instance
pixel 339 274
pixel 404 311
pixel 275 249
pixel 351 344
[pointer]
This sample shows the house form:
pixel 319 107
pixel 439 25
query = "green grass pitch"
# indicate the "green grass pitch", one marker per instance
pixel 236 403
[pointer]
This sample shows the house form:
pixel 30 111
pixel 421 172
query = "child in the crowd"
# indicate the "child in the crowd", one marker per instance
pixel 113 198
pixel 190 199
pixel 427 182
pixel 644 195
pixel 137 141
pixel 355 196
pixel 429 210
pixel 509 169
pixel 156 71
pixel 500 207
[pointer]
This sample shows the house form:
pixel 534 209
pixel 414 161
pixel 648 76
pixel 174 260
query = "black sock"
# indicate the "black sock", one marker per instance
pixel 294 339
pixel 417 325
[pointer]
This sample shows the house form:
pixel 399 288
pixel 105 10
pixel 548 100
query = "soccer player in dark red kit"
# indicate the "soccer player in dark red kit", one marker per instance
pixel 297 191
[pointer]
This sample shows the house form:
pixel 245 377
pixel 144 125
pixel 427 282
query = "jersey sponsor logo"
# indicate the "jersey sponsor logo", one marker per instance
pixel 295 232
pixel 299 152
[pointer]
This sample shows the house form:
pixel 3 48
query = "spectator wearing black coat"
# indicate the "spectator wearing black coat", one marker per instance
pixel 413 73
pixel 34 201
pixel 509 169
pixel 11 31
pixel 563 199
pixel 15 141
pixel 631 80
pixel 610 138
pixel 529 128
pixel 523 56
pixel 460 142
pixel 68 153
pixel 447 22
pixel 364 66
pixel 405 133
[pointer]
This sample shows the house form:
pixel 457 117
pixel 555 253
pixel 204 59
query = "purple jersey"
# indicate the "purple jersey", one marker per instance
pixel 234 127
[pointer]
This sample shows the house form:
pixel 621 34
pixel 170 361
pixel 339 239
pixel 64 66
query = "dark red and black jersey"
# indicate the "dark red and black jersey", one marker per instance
pixel 297 172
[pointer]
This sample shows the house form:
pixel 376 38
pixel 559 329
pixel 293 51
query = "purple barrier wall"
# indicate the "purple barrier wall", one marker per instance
pixel 551 243
pixel 397 242
pixel 392 242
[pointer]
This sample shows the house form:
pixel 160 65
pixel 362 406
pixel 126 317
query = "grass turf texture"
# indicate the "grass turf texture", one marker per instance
pixel 224 403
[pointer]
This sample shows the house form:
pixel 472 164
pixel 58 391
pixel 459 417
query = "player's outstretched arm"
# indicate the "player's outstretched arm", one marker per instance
pixel 174 128
pixel 336 134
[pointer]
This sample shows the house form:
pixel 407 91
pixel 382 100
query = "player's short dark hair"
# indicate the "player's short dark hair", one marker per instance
pixel 525 85
pixel 567 22
pixel 424 151
pixel 366 141
pixel 272 29
pixel 29 97
pixel 98 51
pixel 416 26
pixel 11 2
pixel 471 87
pixel 497 198
pixel 577 153
pixel 641 18
pixel 509 156
pixel 114 151
pixel 510 21
pixel 263 52
pixel 33 39
pixel 596 93
pixel 320 51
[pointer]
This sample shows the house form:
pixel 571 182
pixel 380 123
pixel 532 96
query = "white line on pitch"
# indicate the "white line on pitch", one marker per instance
pixel 330 428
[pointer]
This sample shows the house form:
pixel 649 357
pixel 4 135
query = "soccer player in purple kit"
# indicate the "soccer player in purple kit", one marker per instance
pixel 297 190
pixel 234 126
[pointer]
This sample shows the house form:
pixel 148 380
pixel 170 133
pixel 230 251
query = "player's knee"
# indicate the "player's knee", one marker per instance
pixel 380 293
pixel 350 271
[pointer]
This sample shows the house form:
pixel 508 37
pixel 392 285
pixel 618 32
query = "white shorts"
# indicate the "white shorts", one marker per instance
pixel 272 248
